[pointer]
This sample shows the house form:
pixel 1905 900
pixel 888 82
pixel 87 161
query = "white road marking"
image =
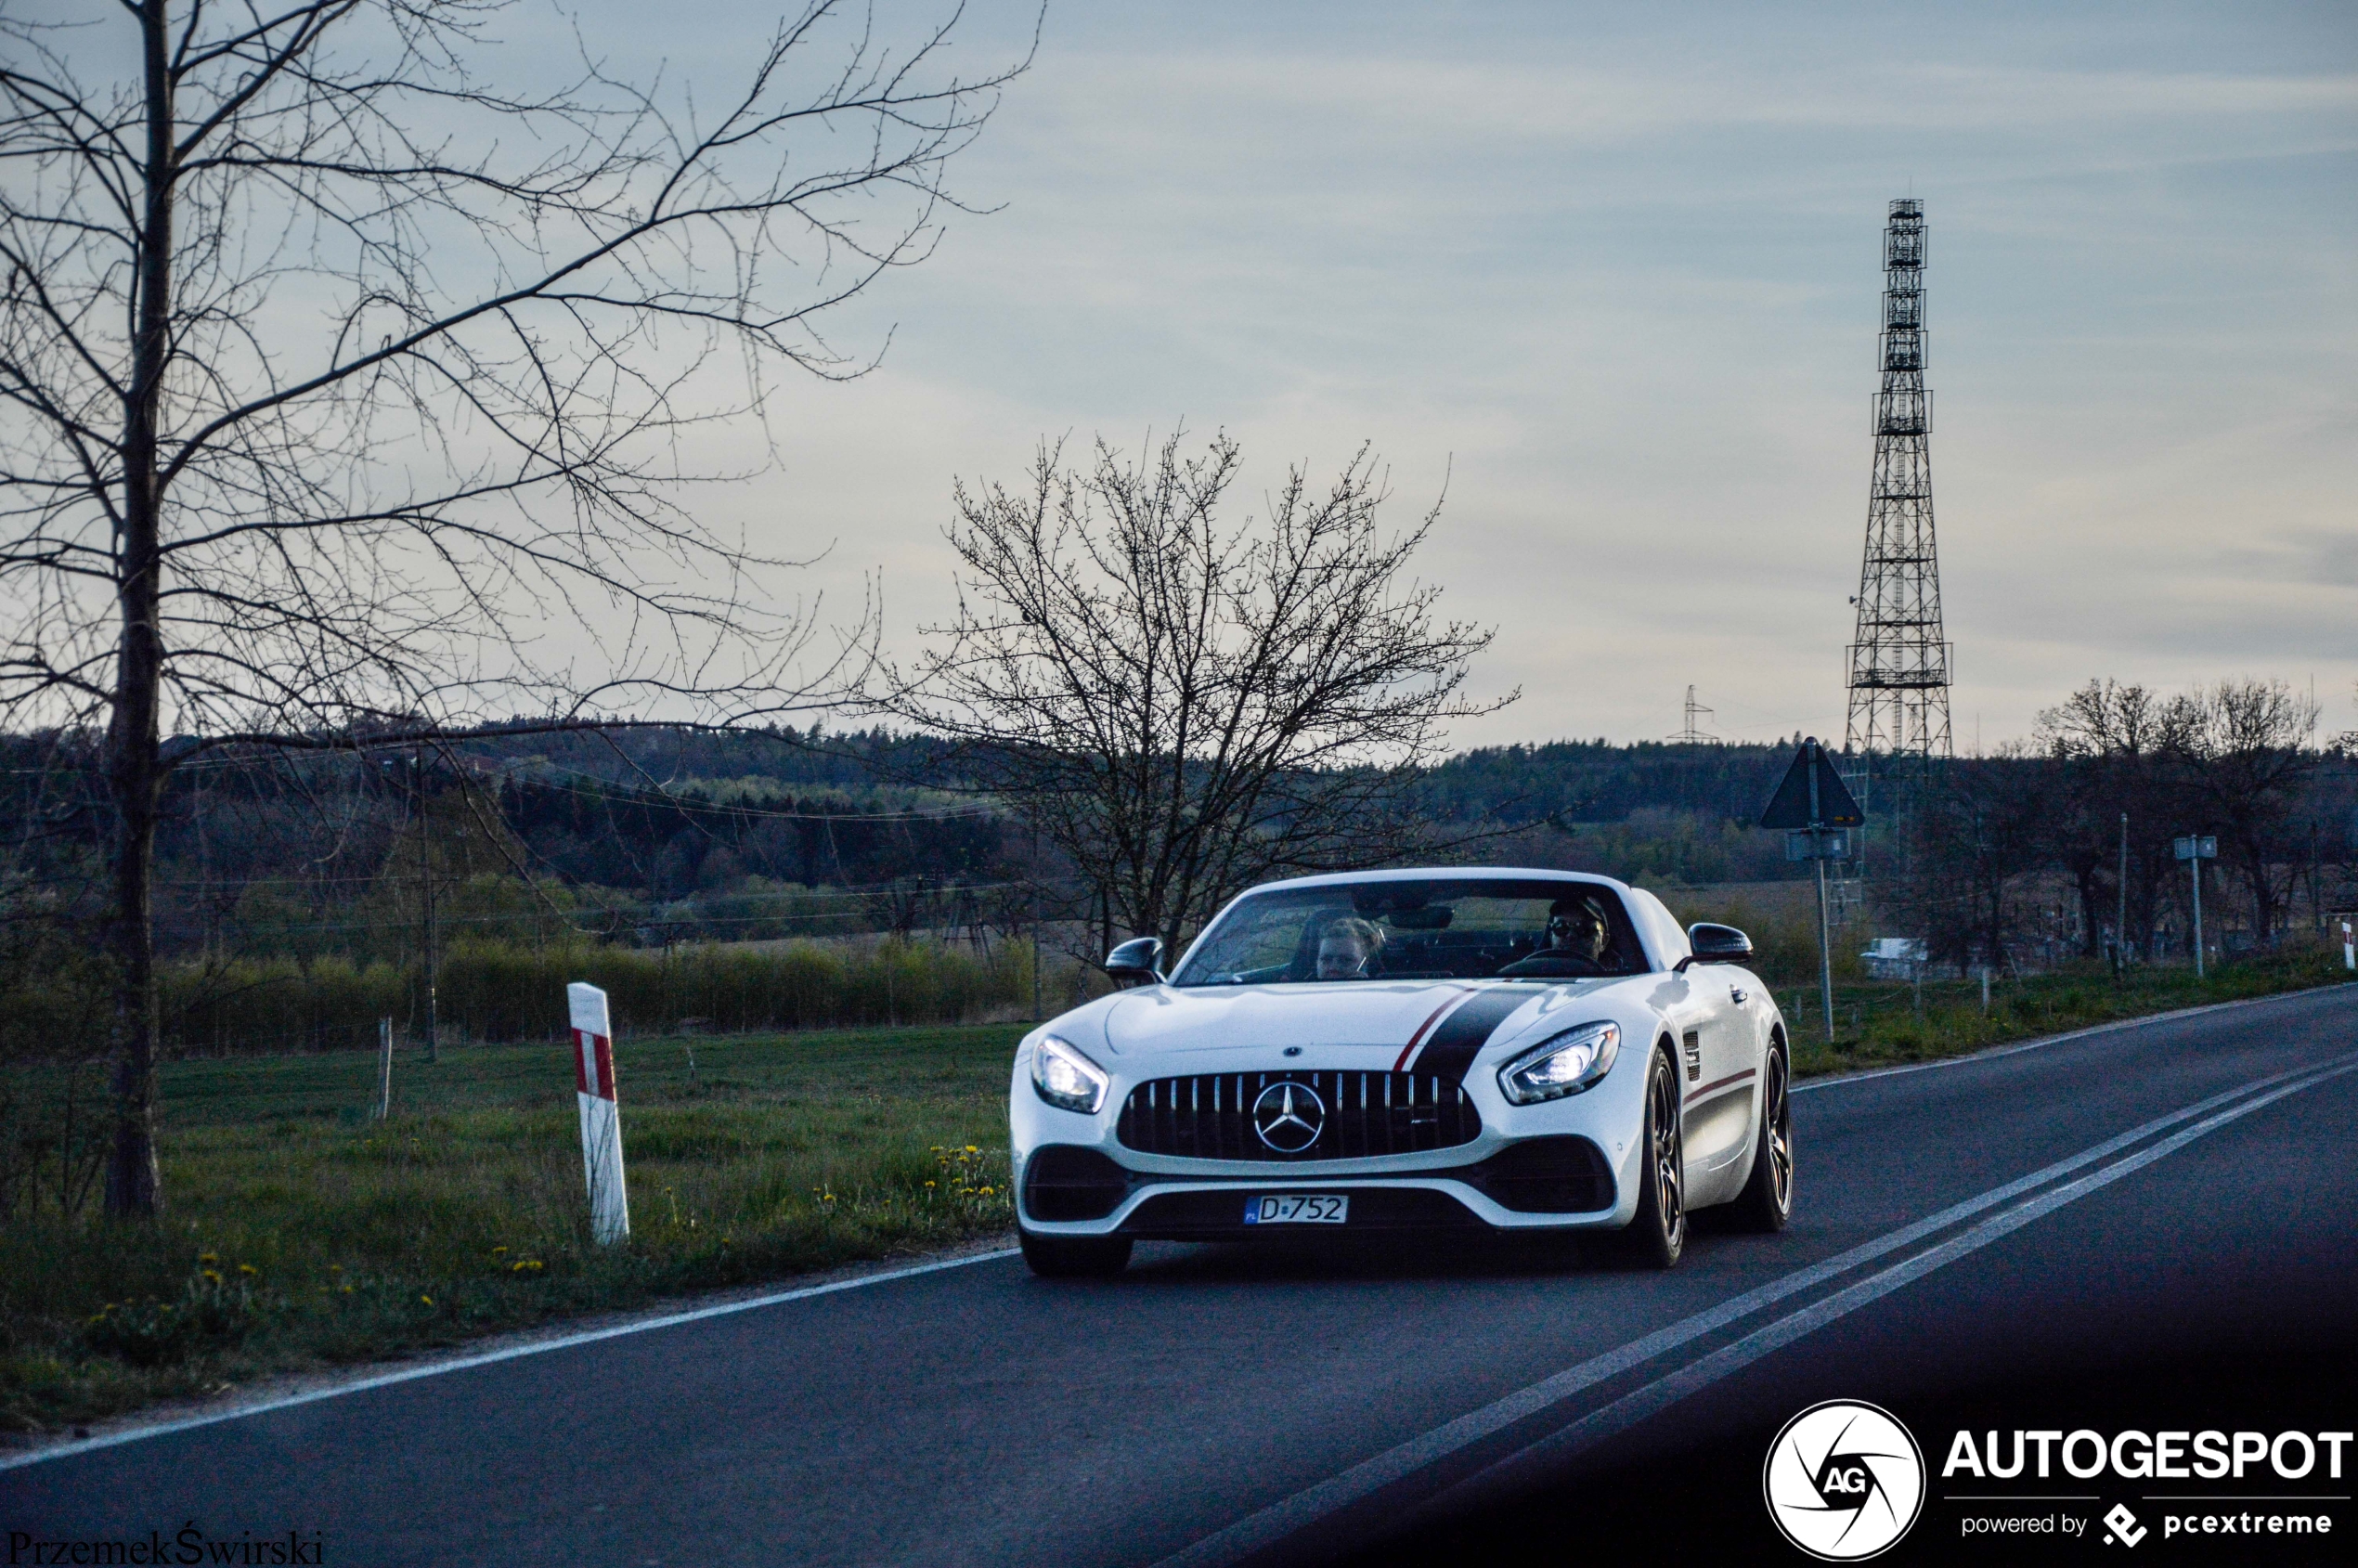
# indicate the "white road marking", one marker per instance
pixel 1291 1514
pixel 1835 1081
pixel 1637 1406
pixel 1587 1373
pixel 488 1358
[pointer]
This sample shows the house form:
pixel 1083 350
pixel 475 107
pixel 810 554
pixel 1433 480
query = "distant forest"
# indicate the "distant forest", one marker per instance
pixel 655 836
pixel 661 835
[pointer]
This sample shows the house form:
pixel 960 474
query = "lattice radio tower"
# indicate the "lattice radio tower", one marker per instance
pixel 1900 661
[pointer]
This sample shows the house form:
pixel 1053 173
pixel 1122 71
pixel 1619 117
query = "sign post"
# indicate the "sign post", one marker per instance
pixel 384 1069
pixel 1811 805
pixel 600 1115
pixel 2349 947
pixel 2193 849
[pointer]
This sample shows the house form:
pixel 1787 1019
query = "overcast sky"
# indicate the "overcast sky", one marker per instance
pixel 1613 274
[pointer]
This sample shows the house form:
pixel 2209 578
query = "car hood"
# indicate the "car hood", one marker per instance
pixel 1378 1012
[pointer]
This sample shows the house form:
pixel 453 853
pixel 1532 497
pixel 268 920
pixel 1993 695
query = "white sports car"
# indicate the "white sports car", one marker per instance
pixel 1405 1052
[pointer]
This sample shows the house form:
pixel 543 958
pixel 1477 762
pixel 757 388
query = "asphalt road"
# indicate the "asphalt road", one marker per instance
pixel 2156 1221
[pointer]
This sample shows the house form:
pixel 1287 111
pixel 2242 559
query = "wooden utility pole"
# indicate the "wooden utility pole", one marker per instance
pixel 425 884
pixel 2120 925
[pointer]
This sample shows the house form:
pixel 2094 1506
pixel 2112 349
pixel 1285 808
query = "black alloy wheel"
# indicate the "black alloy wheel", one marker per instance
pixel 1766 1203
pixel 1075 1257
pixel 1657 1236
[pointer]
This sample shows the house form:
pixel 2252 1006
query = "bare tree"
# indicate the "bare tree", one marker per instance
pixel 347 392
pixel 2250 757
pixel 1980 834
pixel 1179 706
pixel 2122 746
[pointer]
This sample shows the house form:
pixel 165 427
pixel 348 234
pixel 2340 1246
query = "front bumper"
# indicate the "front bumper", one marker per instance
pixel 1550 1182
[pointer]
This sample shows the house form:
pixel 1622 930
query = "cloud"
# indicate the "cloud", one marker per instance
pixel 1613 275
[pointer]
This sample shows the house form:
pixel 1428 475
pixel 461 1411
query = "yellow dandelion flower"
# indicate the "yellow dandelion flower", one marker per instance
pixel 347 1290
pixel 496 1252
pixel 211 1274
pixel 208 1257
pixel 971 1150
pixel 428 1300
pixel 928 1183
pixel 249 1268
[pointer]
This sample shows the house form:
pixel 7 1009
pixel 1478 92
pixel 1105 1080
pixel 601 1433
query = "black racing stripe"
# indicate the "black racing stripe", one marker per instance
pixel 1460 1036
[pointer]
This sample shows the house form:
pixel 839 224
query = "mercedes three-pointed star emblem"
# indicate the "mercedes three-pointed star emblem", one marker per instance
pixel 1289 1117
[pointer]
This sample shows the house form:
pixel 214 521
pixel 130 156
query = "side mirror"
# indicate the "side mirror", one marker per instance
pixel 1716 944
pixel 1138 962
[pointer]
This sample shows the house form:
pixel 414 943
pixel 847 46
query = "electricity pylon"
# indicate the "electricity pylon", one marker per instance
pixel 1899 659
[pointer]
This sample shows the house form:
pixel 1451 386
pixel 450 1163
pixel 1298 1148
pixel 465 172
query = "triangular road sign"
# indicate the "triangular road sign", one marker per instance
pixel 1812 794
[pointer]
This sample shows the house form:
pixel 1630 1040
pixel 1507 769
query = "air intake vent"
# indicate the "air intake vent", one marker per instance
pixel 1064 1183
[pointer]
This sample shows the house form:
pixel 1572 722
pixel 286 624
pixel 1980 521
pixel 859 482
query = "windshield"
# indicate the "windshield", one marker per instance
pixel 1436 930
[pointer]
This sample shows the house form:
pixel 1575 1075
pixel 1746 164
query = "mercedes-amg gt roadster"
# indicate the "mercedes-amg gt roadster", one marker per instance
pixel 1404 1053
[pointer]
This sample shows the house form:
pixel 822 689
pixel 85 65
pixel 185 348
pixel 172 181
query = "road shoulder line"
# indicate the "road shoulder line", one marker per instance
pixel 486 1358
pixel 1831 1081
pixel 1663 1392
pixel 1288 1515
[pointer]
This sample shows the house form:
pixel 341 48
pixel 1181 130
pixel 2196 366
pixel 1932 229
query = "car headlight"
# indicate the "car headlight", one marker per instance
pixel 1065 1078
pixel 1561 1065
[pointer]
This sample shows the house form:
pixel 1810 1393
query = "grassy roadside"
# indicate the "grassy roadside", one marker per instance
pixel 302 1235
pixel 1881 1023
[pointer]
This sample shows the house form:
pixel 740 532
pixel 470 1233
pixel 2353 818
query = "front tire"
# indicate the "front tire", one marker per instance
pixel 1657 1236
pixel 1076 1257
pixel 1766 1203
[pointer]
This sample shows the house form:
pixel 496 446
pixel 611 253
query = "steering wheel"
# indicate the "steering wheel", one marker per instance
pixel 1552 965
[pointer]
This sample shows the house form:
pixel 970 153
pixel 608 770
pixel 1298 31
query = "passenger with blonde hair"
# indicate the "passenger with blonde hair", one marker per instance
pixel 1347 946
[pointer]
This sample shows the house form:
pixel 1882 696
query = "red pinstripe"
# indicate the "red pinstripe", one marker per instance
pixel 1426 1027
pixel 1720 1083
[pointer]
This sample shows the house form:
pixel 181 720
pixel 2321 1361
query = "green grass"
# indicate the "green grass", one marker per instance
pixel 301 1234
pixel 1879 1024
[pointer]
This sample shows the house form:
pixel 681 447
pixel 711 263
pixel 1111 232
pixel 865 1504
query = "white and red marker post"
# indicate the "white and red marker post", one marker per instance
pixel 601 1114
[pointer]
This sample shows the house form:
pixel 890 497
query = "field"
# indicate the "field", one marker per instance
pixel 1878 1024
pixel 304 1234
pixel 301 1233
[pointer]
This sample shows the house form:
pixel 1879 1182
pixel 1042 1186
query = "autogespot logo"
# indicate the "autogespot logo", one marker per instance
pixel 1289 1117
pixel 1843 1481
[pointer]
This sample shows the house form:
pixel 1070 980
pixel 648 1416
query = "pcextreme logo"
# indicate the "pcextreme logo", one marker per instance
pixel 1843 1481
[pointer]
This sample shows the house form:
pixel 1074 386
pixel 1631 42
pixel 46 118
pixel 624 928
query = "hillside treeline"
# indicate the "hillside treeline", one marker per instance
pixel 661 836
pixel 343 868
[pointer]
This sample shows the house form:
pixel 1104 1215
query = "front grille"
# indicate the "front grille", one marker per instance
pixel 1210 1116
